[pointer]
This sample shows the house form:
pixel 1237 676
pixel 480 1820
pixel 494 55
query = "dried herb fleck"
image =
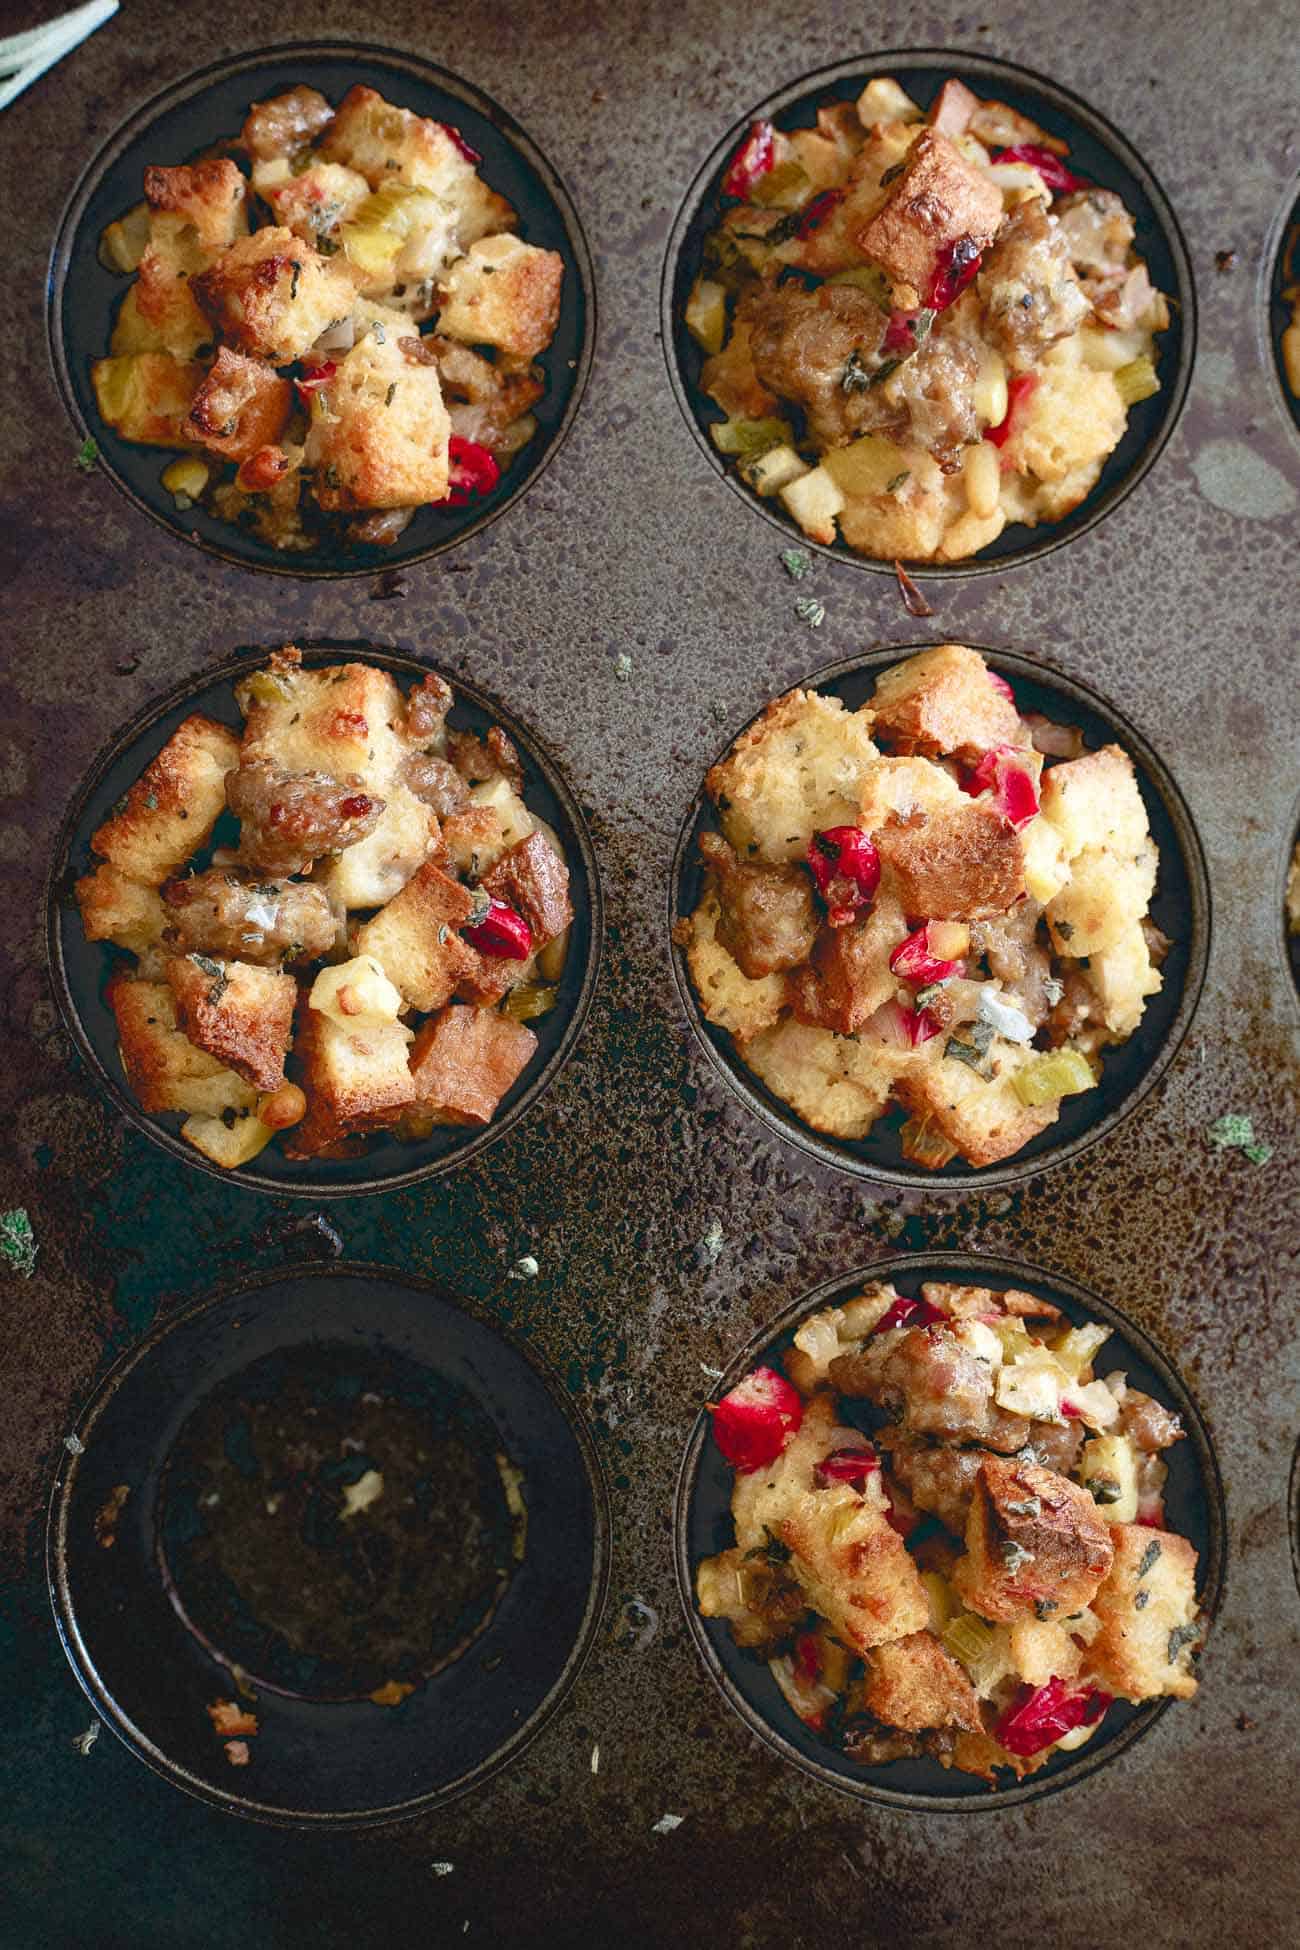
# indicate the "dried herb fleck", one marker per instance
pixel 1179 1638
pixel 810 611
pixel 87 455
pixel 18 1242
pixel 1150 1556
pixel 796 562
pixel 216 973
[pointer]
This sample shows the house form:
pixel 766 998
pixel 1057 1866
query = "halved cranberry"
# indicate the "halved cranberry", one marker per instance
pixel 1044 1713
pixel 753 1423
pixel 955 266
pixel 912 960
pixel 470 154
pixel 473 471
pixel 1005 773
pixel 502 933
pixel 1002 687
pixel 752 159
pixel 313 379
pixel 808 1657
pixel 1053 171
pixel 1018 391
pixel 818 211
pixel 845 867
pixel 908 1313
pixel 847 1466
pixel 920 1026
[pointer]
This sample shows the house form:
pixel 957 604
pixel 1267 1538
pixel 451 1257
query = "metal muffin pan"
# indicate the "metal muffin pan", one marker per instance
pixel 670 1224
pixel 1098 152
pixel 317 1760
pixel 207 110
pixel 703 1524
pixel 80 968
pixel 1180 906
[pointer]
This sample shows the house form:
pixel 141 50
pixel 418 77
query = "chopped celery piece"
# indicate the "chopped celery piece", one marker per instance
pixel 376 233
pixel 187 477
pixel 1075 1347
pixel 1054 1074
pixel 923 1145
pixel 529 1000
pixel 1137 381
pixel 782 187
pixel 749 438
pixel 978 1647
pixel 942 1601
pixel 1014 1336
pixel 706 315
pixel 262 687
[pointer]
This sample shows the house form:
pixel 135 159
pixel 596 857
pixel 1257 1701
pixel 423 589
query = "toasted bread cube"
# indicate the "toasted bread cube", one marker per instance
pixel 227 1144
pixel 383 144
pixel 835 1084
pixel 1122 977
pixel 379 430
pixel 900 787
pixel 415 941
pixel 119 910
pixel 913 1683
pixel 952 108
pixel 271 295
pixel 370 871
pixel 314 203
pixel 1071 421
pixel 853 1566
pixel 237 1012
pixel 211 195
pixel 1102 901
pixel 1095 801
pixel 355 1080
pixel 983 1117
pixel 794 773
pixel 1147 1608
pixel 173 806
pixel 759 1600
pixel 163 1068
pixel 815 501
pixel 939 200
pixel 463 1062
pixel 962 863
pixel 532 877
pixel 943 703
pixel 727 996
pixel 505 293
pixel 164 299
pixel 1042 1649
pixel 343 719
pixel 242 404
pixel 1033 1539
pixel 356 994
pixel 146 396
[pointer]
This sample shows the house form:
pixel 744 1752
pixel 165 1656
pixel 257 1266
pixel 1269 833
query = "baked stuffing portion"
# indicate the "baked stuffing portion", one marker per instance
pixel 920 328
pixel 338 924
pixel 950 1534
pixel 335 324
pixel 932 902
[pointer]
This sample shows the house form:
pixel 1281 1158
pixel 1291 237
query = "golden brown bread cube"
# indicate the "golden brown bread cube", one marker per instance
pixel 414 938
pixel 982 1116
pixel 834 1083
pixel 939 201
pixel 163 1068
pixel 798 770
pixel 117 909
pixel 379 431
pixel 1147 1607
pixel 1034 1541
pixel 944 703
pixel 314 203
pixel 355 1081
pixel 464 1060
pixel 978 1302
pixel 173 806
pixel 961 863
pixel 146 396
pixel 386 144
pixel 913 1683
pixel 902 786
pixel 238 1012
pixel 241 405
pixel 504 293
pixel 271 295
pixel 211 195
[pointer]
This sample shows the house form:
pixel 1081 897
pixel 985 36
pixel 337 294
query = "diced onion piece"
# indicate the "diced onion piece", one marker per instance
pixel 942 1599
pixel 125 242
pixel 186 477
pixel 768 473
pixel 1136 381
pixel 924 1145
pixel 1053 1074
pixel 1003 1018
pixel 227 1145
pixel 882 100
pixel 982 473
pixel 1094 1404
pixel 706 315
pixel 356 994
pixel 866 466
pixel 814 500
pixel 1108 1471
pixel 989 392
pixel 1075 1347
pixel 981 1340
pixel 748 438
pixel 1032 1385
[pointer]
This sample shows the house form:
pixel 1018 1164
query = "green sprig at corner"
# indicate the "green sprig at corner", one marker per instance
pixel 18 1241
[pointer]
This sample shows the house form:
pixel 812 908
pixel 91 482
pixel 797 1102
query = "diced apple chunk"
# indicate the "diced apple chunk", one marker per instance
pixel 814 500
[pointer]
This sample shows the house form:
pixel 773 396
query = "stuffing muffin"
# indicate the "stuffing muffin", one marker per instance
pixel 337 328
pixel 925 903
pixel 339 923
pixel 920 328
pixel 950 1535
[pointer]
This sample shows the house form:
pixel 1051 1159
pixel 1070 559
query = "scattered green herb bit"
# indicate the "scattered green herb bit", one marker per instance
pixel 1014 1554
pixel 774 1549
pixel 1182 1635
pixel 1030 1507
pixel 974 1050
pixel 921 325
pixel 18 1241
pixel 388 396
pixel 882 372
pixel 712 1243
pixel 1235 1132
pixel 925 996
pixel 623 666
pixel 83 1742
pixel 326 246
pixel 1149 1557
pixel 74 1445
pixel 854 378
pixel 796 563
pixel 810 611
pixel 1142 1600
pixel 892 487
pixel 87 455
pixel 215 971
pixel 151 802
pixel 1105 1489
pixel 482 903
pixel 1044 1607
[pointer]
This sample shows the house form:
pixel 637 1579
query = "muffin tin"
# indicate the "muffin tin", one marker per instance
pixel 633 610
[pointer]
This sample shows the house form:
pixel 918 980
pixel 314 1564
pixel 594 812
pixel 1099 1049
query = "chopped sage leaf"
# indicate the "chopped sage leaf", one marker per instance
pixel 1179 1638
pixel 1142 1600
pixel 1015 1555
pixel 796 563
pixel 1235 1132
pixel 892 487
pixel 18 1241
pixel 810 611
pixel 87 455
pixel 1105 1489
pixel 1149 1557
pixel 854 378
